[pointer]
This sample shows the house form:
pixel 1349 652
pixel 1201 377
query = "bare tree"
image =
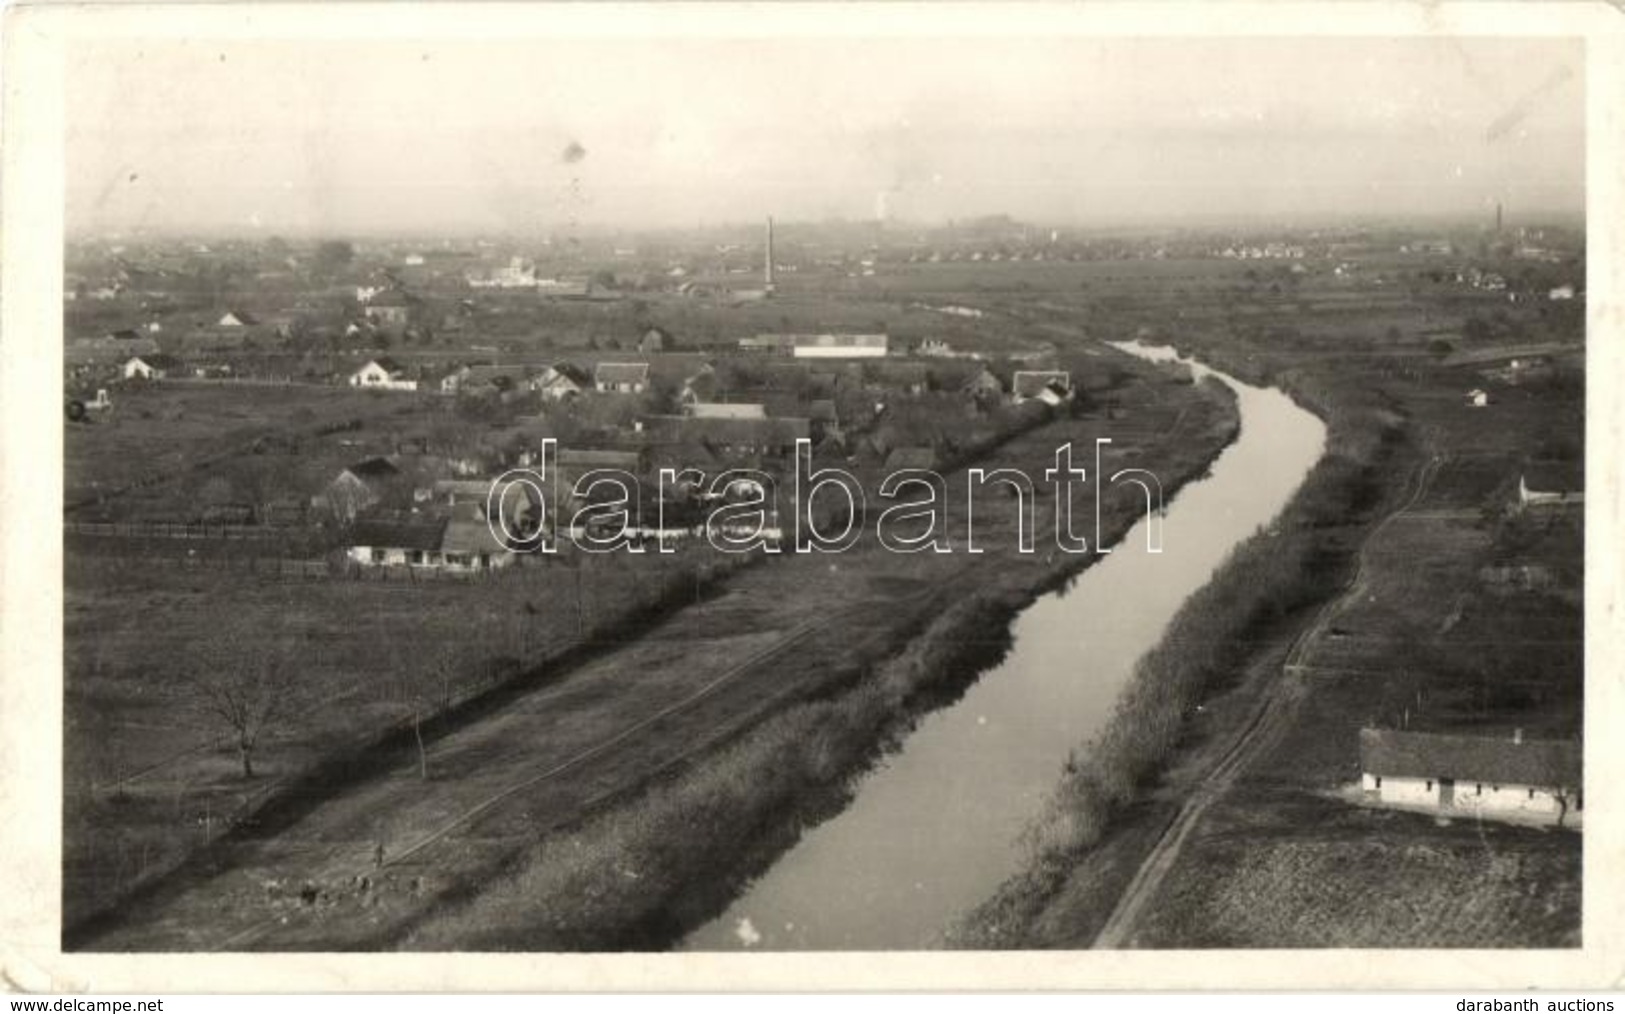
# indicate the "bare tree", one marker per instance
pixel 247 692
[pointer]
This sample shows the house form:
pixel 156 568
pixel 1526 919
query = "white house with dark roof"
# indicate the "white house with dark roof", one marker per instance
pixel 383 374
pixel 155 366
pixel 621 378
pixel 1486 776
pixel 462 543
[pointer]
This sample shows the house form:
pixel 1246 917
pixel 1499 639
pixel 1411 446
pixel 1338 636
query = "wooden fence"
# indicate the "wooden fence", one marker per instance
pixel 179 530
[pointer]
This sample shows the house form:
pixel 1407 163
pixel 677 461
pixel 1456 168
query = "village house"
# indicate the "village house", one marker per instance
pixel 383 374
pixel 485 380
pixel 560 381
pixel 359 487
pixel 461 544
pixel 237 318
pixel 1472 775
pixel 724 410
pixel 701 385
pixel 782 344
pixel 1551 484
pixel 155 366
pixel 1478 397
pixel 840 346
pixel 574 462
pixel 904 378
pixel 984 387
pixel 655 339
pixel 621 378
pixel 729 436
pixel 1052 387
pixel 389 308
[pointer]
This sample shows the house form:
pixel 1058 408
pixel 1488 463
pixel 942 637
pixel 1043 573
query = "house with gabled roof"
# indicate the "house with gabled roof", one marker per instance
pixel 1489 776
pixel 237 318
pixel 359 487
pixel 461 543
pixel 383 374
pixel 560 382
pixel 154 366
pixel 621 378
pixel 985 386
pixel 389 308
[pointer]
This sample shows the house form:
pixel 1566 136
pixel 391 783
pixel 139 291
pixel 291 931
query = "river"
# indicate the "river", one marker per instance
pixel 935 827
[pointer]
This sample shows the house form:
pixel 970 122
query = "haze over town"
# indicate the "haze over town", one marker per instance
pixel 549 135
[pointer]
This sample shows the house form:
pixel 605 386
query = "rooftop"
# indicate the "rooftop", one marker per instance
pixel 1537 762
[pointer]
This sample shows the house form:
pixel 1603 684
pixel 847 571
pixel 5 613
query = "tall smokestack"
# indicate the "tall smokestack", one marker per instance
pixel 768 279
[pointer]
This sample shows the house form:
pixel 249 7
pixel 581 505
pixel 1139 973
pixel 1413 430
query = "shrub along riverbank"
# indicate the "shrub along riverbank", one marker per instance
pixel 1269 583
pixel 649 871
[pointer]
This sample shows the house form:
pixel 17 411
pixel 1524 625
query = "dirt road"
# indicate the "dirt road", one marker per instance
pixel 1272 715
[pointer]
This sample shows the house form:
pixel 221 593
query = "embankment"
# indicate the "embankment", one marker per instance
pixel 1267 590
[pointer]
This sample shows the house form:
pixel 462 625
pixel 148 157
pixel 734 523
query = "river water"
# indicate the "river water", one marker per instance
pixel 934 828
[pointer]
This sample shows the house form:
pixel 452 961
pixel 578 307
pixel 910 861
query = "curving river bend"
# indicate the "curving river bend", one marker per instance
pixel 934 828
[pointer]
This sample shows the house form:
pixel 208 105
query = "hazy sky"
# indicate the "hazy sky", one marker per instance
pixel 294 138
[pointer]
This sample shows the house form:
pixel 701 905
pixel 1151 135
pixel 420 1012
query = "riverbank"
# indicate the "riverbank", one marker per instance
pixel 672 858
pixel 1227 641
pixel 1223 827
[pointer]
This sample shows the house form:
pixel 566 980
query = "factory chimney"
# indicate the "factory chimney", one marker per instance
pixel 768 278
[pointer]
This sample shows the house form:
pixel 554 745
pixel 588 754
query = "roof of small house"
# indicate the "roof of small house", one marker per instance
pixel 128 334
pixel 374 468
pixel 621 373
pixel 983 378
pixel 384 363
pixel 242 316
pixel 480 488
pixel 1534 762
pixel 470 533
pixel 570 372
pixel 775 432
pixel 584 458
pixel 1547 476
pixel 158 361
pixel 1031 383
pixel 724 410
pixel 380 534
